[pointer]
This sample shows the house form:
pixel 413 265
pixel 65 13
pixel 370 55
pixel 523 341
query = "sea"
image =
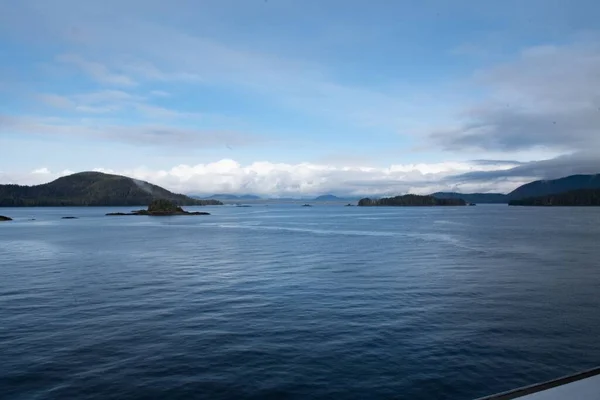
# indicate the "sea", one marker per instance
pixel 290 302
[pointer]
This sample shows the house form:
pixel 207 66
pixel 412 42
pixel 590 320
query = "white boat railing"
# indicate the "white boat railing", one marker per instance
pixel 540 387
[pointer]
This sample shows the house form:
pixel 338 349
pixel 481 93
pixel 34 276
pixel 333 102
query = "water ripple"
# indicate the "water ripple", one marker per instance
pixel 294 303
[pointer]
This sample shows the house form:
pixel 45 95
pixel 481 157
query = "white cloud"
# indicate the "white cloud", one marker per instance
pixel 97 71
pixel 55 100
pixel 132 49
pixel 141 135
pixel 162 112
pixel 147 52
pixel 95 109
pixel 160 93
pixel 280 179
pixel 105 96
pixel 106 100
pixel 111 101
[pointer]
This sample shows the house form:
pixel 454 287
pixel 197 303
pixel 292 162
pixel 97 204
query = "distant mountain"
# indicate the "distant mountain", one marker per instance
pixel 554 186
pixel 92 189
pixel 410 200
pixel 481 198
pixel 225 196
pixel 299 198
pixel 327 197
pixel 579 197
pixel 249 197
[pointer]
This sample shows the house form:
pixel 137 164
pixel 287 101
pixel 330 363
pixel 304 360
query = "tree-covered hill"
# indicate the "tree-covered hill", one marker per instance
pixel 92 189
pixel 581 197
pixel 554 186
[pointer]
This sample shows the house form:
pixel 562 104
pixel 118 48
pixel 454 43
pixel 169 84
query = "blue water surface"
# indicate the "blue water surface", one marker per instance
pixel 290 302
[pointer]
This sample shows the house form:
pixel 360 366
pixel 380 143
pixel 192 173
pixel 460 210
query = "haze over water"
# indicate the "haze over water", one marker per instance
pixel 290 302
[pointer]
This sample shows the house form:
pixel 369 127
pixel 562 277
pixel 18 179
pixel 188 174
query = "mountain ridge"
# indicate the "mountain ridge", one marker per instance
pixel 92 188
pixel 544 187
pixel 328 197
pixel 554 186
pixel 575 198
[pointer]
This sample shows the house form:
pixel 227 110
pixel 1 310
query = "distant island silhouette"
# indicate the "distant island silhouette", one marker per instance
pixel 328 197
pixel 410 200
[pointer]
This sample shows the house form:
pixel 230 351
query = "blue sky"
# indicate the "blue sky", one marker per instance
pixel 285 97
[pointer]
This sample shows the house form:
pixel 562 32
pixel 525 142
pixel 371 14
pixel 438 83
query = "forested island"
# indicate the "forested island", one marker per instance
pixel 161 208
pixel 410 200
pixel 92 189
pixel 580 197
pixel 478 198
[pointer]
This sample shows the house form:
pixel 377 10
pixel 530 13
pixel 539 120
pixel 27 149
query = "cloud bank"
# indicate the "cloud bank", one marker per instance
pixel 547 98
pixel 304 179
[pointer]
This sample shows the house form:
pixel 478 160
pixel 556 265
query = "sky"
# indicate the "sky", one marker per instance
pixel 288 98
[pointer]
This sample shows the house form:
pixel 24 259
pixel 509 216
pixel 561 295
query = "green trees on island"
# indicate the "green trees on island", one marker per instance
pixel 555 186
pixel 581 197
pixel 411 200
pixel 160 207
pixel 479 198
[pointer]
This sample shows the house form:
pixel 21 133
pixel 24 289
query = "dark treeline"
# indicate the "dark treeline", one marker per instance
pixel 581 197
pixel 479 198
pixel 411 200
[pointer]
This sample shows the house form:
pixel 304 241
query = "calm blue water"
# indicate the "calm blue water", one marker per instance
pixel 286 302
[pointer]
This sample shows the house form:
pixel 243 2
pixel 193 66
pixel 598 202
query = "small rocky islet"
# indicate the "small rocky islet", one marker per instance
pixel 161 208
pixel 3 218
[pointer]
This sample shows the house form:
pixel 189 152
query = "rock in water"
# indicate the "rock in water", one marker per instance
pixel 3 218
pixel 69 217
